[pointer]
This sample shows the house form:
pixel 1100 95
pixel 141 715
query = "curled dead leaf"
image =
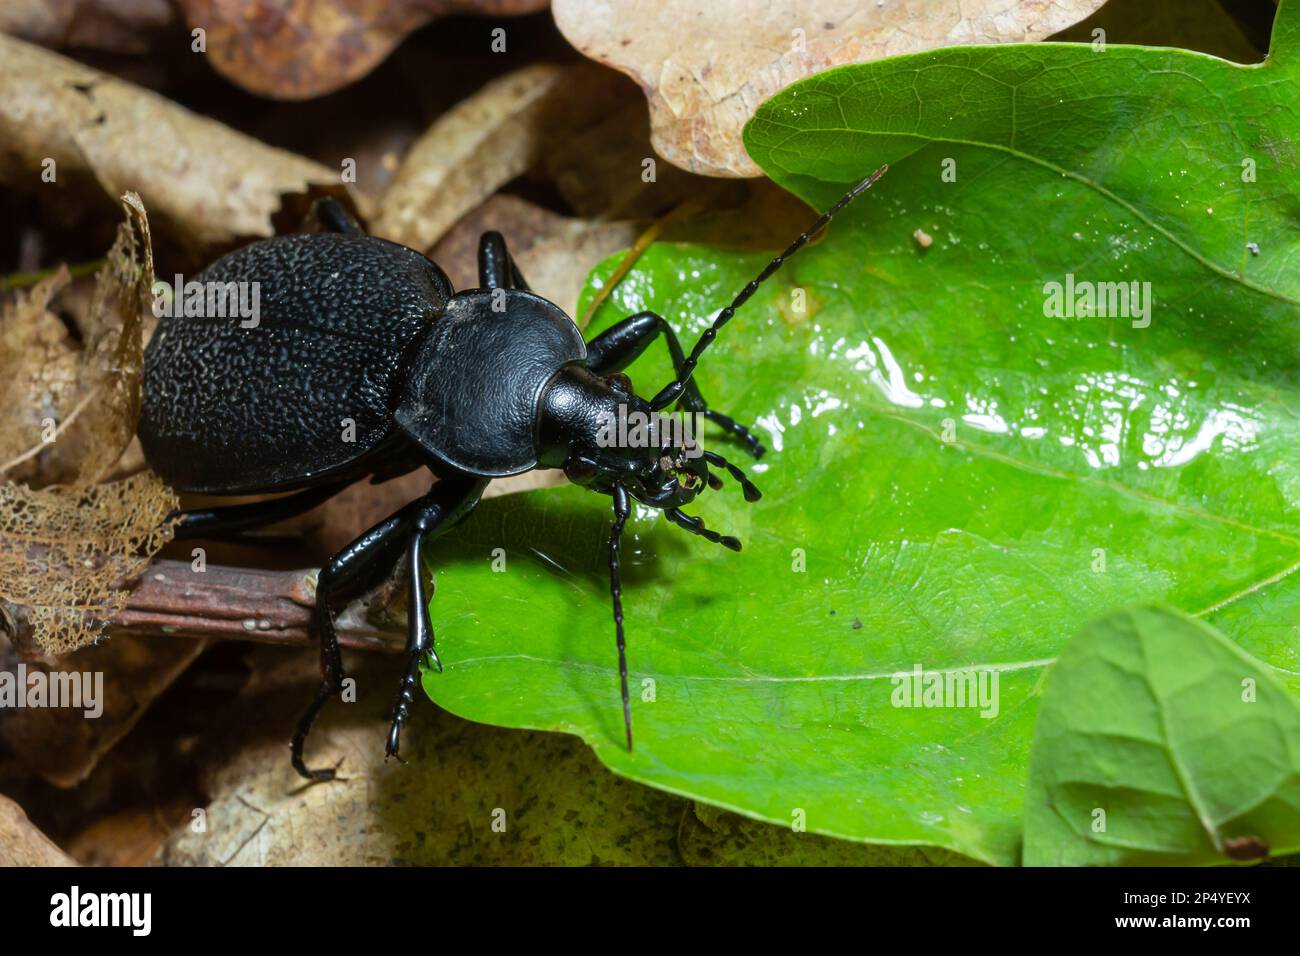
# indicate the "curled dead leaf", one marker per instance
pixel 702 92
pixel 71 412
pixel 543 116
pixel 298 49
pixel 467 154
pixel 42 366
pixel 93 132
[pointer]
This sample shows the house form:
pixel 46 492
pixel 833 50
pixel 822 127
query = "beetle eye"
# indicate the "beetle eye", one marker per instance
pixel 620 382
pixel 580 471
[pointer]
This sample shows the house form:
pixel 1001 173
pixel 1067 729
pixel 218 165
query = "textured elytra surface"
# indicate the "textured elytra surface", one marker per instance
pixel 234 409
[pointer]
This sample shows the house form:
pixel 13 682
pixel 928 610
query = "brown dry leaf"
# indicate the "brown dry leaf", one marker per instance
pixel 115 342
pixel 467 154
pixel 59 744
pixel 72 413
pixel 599 165
pixel 555 253
pixel 21 844
pixel 706 65
pixel 557 804
pixel 539 117
pixel 132 837
pixel 40 385
pixel 298 49
pixel 119 26
pixel 67 552
pixel 204 181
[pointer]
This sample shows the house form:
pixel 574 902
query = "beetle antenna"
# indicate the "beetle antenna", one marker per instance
pixel 621 509
pixel 673 390
pixel 696 526
pixel 751 490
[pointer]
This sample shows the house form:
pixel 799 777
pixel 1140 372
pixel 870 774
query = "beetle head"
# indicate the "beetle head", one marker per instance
pixel 603 434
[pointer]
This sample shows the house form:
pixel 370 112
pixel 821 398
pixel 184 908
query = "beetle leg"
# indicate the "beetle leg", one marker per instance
pixel 444 506
pixel 696 526
pixel 327 214
pixel 419 641
pixel 228 519
pixel 355 564
pixel 496 267
pixel 619 346
pixel 362 563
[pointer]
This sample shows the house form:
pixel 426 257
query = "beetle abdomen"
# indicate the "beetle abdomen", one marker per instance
pixel 302 387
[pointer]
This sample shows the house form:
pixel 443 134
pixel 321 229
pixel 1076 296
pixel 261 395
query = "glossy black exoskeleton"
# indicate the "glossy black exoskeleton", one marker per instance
pixel 363 362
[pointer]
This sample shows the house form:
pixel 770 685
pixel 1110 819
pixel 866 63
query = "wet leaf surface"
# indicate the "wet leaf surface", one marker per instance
pixel 968 479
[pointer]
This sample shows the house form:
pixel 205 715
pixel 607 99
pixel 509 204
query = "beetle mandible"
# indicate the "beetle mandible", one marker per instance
pixel 475 385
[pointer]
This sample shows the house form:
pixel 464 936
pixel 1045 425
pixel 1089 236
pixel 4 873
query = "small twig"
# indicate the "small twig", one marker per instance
pixel 268 607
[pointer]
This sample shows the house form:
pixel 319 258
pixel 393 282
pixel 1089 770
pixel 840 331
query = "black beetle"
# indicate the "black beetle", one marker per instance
pixel 365 339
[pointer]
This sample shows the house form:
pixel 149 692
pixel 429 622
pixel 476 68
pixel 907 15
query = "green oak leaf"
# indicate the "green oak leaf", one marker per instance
pixel 1160 742
pixel 955 478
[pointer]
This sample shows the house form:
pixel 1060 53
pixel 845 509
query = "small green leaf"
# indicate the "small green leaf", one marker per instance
pixel 1160 742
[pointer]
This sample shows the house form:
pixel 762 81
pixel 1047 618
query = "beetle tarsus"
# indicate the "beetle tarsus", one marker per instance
pixel 300 739
pixel 405 697
pixel 696 526
pixel 736 430
pixel 749 489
